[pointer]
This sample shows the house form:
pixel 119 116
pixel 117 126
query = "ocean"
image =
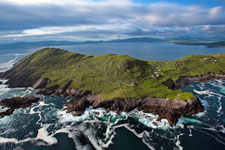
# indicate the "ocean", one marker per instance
pixel 46 126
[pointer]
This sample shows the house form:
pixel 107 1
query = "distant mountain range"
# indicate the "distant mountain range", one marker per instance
pixel 143 40
pixel 35 44
pixel 176 40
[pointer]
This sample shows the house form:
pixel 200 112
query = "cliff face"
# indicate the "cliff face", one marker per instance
pixel 165 108
pixel 117 82
pixel 171 110
pixel 22 80
pixel 112 76
pixel 184 81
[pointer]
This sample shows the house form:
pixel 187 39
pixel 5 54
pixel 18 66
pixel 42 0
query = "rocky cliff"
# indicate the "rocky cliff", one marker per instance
pixel 15 103
pixel 117 82
pixel 171 110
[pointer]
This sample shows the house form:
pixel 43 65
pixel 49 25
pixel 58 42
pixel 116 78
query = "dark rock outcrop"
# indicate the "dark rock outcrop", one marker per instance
pixel 19 80
pixel 41 83
pixel 171 110
pixel 65 91
pixel 165 108
pixel 184 81
pixel 16 103
pixel 1 82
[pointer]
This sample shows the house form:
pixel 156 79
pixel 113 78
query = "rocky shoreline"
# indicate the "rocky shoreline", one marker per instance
pixel 117 74
pixel 184 81
pixel 171 110
pixel 165 108
pixel 15 103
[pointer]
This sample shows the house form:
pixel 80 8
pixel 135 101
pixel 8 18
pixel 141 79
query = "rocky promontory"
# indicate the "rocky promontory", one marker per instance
pixel 168 109
pixel 165 108
pixel 117 82
pixel 15 103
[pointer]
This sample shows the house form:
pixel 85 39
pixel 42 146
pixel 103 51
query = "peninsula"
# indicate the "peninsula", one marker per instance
pixel 117 82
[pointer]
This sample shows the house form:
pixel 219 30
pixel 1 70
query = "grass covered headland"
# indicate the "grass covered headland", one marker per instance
pixel 113 76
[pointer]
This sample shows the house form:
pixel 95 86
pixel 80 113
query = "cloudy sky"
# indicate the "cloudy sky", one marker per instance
pixel 78 20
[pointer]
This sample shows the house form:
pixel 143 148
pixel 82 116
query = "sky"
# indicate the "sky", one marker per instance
pixel 81 20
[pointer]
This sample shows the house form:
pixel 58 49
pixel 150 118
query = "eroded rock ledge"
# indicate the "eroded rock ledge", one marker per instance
pixel 165 108
pixel 184 81
pixel 124 70
pixel 15 103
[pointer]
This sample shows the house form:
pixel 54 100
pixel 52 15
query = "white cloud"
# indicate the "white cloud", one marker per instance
pixel 116 17
pixel 67 2
pixel 66 29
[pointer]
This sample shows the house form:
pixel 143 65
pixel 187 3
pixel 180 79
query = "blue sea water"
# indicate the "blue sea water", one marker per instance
pixel 146 51
pixel 47 126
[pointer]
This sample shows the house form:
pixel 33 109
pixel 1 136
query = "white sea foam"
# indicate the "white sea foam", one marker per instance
pixel 150 120
pixel 190 130
pixel 221 128
pixel 220 106
pixel 28 91
pixel 178 142
pixel 6 120
pixel 202 92
pixel 7 65
pixel 13 55
pixel 68 117
pixel 3 88
pixel 41 104
pixel 3 109
pixel 74 132
pixel 201 114
pixel 43 135
pixel 147 119
pixel 9 140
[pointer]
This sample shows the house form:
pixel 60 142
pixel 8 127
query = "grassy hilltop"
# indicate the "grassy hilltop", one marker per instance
pixel 116 76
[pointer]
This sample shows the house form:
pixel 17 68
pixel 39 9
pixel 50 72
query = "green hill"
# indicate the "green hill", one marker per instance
pixel 113 76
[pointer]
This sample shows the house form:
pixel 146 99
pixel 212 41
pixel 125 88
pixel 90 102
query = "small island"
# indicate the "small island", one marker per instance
pixel 117 82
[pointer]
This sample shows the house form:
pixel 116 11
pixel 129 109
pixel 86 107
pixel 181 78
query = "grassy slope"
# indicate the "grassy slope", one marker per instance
pixel 118 76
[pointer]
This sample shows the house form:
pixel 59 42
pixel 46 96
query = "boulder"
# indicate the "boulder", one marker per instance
pixel 16 103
